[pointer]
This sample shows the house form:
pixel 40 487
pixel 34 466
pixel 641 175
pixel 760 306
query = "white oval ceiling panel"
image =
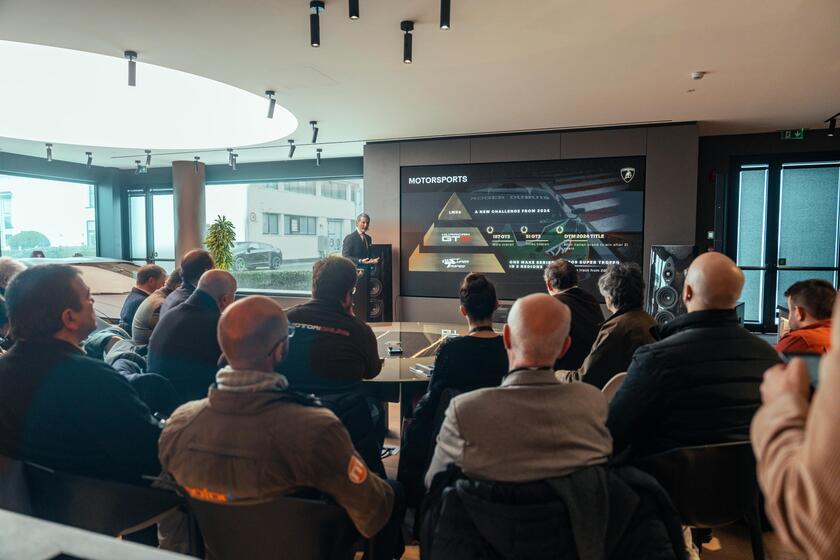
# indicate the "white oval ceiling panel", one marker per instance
pixel 64 96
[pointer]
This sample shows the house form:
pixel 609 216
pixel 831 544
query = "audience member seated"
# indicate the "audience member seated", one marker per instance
pixel 8 268
pixel 149 278
pixel 253 440
pixel 796 446
pixel 148 313
pixel 462 364
pixel 810 303
pixel 532 427
pixel 698 385
pixel 58 407
pixel 333 351
pixel 561 279
pixel 193 265
pixel 627 328
pixel 6 340
pixel 184 348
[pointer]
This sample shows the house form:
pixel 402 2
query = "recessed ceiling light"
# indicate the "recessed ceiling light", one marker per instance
pixel 73 97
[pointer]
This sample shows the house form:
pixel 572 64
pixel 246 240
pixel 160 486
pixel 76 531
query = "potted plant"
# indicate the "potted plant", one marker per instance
pixel 219 241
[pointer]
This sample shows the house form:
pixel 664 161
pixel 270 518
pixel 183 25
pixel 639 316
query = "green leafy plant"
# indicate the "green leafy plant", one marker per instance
pixel 221 235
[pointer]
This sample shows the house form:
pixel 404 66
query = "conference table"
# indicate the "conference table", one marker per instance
pixel 405 376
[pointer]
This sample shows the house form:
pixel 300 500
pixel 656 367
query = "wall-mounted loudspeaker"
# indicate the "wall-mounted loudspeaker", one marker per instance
pixel 668 264
pixel 379 307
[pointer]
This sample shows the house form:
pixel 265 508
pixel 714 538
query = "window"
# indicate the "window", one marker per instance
pixel 91 196
pixel 283 249
pixel 151 224
pixel 787 221
pixel 52 216
pixel 299 225
pixel 91 234
pixel 300 187
pixel 334 190
pixel 271 224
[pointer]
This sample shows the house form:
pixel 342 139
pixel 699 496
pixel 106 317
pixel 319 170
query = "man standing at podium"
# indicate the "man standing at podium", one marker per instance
pixel 356 245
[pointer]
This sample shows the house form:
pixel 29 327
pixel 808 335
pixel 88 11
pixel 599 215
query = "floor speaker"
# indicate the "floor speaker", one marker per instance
pixel 668 264
pixel 379 308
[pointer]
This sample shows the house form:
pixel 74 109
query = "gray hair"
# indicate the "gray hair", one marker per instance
pixel 623 286
pixel 8 269
pixel 362 215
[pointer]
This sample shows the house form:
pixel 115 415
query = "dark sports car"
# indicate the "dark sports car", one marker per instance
pixel 249 255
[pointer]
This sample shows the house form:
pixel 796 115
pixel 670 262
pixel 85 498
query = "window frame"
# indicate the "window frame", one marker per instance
pixel 770 267
pixel 287 224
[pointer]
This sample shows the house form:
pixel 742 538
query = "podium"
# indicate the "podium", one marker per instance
pixel 373 301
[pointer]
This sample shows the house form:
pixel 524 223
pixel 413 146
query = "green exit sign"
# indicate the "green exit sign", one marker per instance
pixel 795 134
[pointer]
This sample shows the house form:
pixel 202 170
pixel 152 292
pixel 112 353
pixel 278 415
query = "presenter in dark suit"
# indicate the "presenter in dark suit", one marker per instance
pixel 356 245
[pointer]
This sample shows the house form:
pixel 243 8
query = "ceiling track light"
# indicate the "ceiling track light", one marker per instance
pixel 315 8
pixel 49 151
pixel 132 67
pixel 292 149
pixel 354 9
pixel 832 124
pixel 233 161
pixel 89 159
pixel 230 157
pixel 148 158
pixel 139 168
pixel 444 13
pixel 407 26
pixel 318 156
pixel 314 125
pixel 195 163
pixel 271 102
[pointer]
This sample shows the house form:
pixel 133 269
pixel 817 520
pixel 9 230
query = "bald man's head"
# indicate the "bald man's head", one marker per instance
pixel 220 284
pixel 713 281
pixel 537 330
pixel 253 333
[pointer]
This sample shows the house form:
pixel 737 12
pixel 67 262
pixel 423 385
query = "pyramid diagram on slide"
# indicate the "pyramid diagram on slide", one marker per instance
pixel 427 258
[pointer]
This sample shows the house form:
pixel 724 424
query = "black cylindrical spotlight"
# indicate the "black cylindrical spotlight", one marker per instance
pixel 315 8
pixel 148 158
pixel 407 26
pixel 89 159
pixel 444 14
pixel 49 152
pixel 233 161
pixel 230 156
pixel 271 102
pixel 292 149
pixel 318 157
pixel 832 126
pixel 139 167
pixel 132 67
pixel 354 9
pixel 314 125
pixel 195 163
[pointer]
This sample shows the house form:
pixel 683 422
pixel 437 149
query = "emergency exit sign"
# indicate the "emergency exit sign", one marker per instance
pixel 795 134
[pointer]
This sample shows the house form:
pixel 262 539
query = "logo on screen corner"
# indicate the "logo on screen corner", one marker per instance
pixel 627 173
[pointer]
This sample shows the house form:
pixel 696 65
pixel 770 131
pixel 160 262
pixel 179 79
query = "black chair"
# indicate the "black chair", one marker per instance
pixel 711 486
pixel 288 528
pixel 14 492
pixel 102 506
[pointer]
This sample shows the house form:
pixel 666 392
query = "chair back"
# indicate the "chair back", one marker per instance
pixel 102 506
pixel 709 485
pixel 446 397
pixel 288 528
pixel 14 492
pixel 613 385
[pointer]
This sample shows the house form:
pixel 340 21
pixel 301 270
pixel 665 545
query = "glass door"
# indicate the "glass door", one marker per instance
pixel 151 218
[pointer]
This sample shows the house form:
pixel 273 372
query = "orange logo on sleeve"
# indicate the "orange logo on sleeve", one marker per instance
pixel 356 470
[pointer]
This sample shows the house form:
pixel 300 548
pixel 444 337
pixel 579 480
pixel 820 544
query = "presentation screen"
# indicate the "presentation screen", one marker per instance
pixel 509 220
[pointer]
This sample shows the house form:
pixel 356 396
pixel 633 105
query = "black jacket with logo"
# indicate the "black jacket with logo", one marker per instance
pixel 331 352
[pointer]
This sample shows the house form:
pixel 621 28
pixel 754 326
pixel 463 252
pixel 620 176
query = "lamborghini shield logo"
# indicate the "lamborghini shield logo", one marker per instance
pixel 627 173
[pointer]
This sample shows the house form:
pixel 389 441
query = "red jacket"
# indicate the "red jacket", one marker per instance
pixel 815 338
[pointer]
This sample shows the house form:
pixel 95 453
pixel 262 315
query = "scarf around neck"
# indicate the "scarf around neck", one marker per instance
pixel 249 381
